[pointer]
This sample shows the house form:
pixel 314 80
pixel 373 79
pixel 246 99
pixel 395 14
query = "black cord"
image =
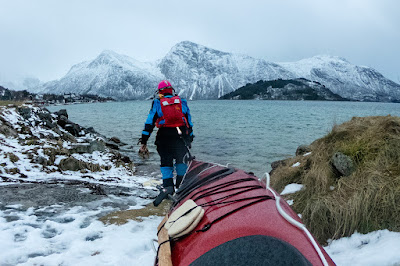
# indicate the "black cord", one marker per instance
pixel 208 226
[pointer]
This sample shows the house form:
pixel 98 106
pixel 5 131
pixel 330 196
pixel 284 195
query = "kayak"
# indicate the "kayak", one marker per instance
pixel 226 216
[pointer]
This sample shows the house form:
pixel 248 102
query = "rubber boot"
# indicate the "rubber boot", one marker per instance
pixel 178 181
pixel 166 189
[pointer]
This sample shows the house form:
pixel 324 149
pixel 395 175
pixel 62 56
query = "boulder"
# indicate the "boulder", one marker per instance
pixel 40 160
pixel 69 126
pixel 88 147
pixel 116 140
pixel 72 164
pixel 44 116
pixel 112 145
pixel 126 159
pixel 73 128
pixel 343 164
pixel 90 130
pixel 115 143
pixel 62 121
pixel 7 129
pixel 47 120
pixel 25 112
pixel 276 164
pixel 97 146
pixel 66 136
pixel 49 125
pixel 62 112
pixel 302 149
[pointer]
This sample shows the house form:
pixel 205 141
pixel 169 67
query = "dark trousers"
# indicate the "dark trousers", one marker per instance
pixel 171 149
pixel 170 152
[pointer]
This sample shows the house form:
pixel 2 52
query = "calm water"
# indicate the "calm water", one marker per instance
pixel 247 134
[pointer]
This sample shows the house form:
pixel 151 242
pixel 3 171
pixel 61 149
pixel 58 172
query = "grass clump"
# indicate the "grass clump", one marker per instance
pixel 9 102
pixel 333 206
pixel 122 217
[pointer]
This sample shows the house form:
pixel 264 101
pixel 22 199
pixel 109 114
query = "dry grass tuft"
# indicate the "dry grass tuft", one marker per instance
pixel 122 217
pixel 7 103
pixel 365 201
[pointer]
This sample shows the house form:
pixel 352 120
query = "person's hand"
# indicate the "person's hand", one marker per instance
pixel 144 152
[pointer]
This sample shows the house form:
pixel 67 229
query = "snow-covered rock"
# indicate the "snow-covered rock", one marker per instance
pixel 31 150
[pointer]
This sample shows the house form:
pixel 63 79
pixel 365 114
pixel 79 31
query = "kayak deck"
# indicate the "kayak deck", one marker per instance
pixel 241 224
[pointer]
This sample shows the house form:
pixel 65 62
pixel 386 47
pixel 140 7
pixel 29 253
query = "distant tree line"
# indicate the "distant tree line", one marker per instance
pixel 248 91
pixel 11 95
pixel 279 89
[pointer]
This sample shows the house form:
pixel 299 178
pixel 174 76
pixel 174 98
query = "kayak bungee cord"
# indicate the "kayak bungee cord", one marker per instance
pixel 198 170
pixel 297 224
pixel 220 186
pixel 248 188
pixel 194 184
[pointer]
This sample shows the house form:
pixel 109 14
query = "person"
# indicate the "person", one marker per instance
pixel 171 115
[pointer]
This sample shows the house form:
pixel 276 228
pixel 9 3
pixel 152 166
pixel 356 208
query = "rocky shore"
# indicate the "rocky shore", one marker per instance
pixel 57 180
pixel 40 150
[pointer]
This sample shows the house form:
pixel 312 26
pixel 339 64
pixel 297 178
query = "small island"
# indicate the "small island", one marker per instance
pixel 280 89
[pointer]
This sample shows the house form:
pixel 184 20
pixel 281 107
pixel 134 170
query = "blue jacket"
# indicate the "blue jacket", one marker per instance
pixel 156 112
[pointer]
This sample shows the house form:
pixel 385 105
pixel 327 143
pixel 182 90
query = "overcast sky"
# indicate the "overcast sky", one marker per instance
pixel 44 38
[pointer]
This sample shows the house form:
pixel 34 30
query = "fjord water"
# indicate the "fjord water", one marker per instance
pixel 246 134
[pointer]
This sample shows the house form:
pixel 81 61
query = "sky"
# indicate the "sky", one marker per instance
pixel 44 38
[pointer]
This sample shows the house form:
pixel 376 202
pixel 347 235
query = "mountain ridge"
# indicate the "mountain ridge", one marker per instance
pixel 200 72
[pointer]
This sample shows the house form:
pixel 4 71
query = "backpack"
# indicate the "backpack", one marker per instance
pixel 172 113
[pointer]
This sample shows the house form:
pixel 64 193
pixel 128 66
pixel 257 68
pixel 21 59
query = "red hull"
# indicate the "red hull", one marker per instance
pixel 258 219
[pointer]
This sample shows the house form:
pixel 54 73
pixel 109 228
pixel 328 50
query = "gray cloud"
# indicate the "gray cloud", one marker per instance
pixel 44 38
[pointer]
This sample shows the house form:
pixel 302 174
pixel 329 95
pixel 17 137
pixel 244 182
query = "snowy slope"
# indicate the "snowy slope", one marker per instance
pixel 21 83
pixel 203 73
pixel 347 80
pixel 199 72
pixel 110 74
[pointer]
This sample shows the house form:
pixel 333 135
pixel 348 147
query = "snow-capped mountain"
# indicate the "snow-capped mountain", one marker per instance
pixel 22 83
pixel 349 81
pixel 199 72
pixel 203 73
pixel 110 74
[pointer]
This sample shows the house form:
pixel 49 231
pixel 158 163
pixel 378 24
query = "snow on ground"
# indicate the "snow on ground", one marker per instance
pixel 291 188
pixel 376 248
pixel 73 237
pixel 296 164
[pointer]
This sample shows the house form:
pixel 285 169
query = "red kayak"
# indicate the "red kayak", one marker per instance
pixel 225 216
